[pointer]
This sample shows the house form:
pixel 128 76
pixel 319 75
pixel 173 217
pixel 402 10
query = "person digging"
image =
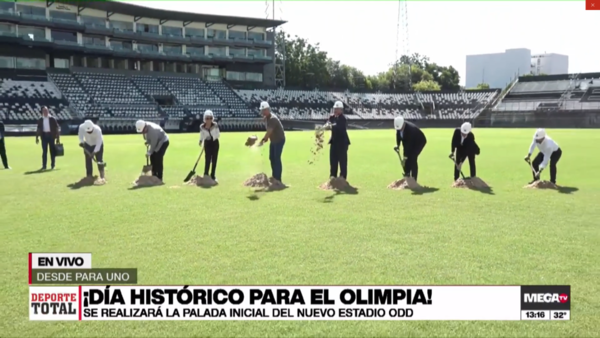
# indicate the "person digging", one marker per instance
pixel 92 142
pixel 463 147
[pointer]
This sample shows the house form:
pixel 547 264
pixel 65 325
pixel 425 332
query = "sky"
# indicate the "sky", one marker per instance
pixel 363 34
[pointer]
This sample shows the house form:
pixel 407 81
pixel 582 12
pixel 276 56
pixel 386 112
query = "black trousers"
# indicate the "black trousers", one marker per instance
pixel 211 154
pixel 3 153
pixel 553 160
pixel 156 160
pixel 338 156
pixel 411 165
pixel 48 143
pixel 89 169
pixel 461 157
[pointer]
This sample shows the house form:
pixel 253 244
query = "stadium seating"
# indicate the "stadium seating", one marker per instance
pixel 552 95
pixel 118 96
pixel 22 100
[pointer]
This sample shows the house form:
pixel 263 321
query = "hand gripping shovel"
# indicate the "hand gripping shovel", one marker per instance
pixel 193 172
pixel 401 163
pixel 458 167
pixel 536 174
pixel 147 168
pixel 101 165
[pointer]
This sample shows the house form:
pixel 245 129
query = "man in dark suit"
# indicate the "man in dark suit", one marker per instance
pixel 48 130
pixel 339 142
pixel 2 147
pixel 463 142
pixel 413 141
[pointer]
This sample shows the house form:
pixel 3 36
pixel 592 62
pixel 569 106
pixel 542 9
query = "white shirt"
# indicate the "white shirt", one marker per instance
pixel 547 147
pixel 46 124
pixel 462 139
pixel 211 134
pixel 92 139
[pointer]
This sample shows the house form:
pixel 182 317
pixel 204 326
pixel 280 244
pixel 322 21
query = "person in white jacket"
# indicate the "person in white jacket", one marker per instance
pixel 549 152
pixel 90 139
pixel 209 138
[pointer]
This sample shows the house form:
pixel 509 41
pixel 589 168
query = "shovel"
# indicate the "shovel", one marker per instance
pixel 193 172
pixel 401 163
pixel 147 168
pixel 101 165
pixel 535 173
pixel 458 167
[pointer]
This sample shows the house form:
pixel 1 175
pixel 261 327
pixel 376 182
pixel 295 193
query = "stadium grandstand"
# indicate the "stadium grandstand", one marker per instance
pixel 116 62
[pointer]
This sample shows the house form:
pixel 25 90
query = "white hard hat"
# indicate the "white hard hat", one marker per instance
pixel 88 125
pixel 465 128
pixel 264 105
pixel 539 134
pixel 338 104
pixel 208 113
pixel 398 122
pixel 139 125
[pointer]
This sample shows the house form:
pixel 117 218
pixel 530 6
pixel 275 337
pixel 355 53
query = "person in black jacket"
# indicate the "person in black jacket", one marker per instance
pixel 463 142
pixel 339 142
pixel 209 136
pixel 413 141
pixel 2 147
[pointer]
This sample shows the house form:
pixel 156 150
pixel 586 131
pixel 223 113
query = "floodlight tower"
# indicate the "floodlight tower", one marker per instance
pixel 402 41
pixel 279 48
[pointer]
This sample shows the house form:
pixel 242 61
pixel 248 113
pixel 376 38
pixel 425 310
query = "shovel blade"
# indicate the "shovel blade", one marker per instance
pixel 146 169
pixel 189 176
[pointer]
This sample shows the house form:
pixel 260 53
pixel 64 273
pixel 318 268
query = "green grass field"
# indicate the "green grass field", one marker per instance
pixel 303 235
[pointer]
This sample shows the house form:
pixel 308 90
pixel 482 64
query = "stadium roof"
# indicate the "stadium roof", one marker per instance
pixel 146 12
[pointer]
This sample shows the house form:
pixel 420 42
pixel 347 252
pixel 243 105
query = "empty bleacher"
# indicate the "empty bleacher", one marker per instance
pixel 116 97
pixel 567 94
pixel 22 99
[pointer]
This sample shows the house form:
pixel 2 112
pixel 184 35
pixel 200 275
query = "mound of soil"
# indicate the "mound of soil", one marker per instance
pixel 471 183
pixel 147 181
pixel 202 181
pixel 541 185
pixel 318 145
pixel 405 183
pixel 263 182
pixel 100 181
pixel 335 183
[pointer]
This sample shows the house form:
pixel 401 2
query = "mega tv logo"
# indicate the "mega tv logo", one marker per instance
pixel 546 298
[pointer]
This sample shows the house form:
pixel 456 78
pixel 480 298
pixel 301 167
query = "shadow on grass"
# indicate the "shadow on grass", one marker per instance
pixel 138 187
pixel 257 194
pixel 567 190
pixel 39 171
pixel 424 190
pixel 84 182
pixel 349 190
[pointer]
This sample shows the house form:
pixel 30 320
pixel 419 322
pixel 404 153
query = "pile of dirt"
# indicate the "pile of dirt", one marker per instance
pixel 405 183
pixel 336 184
pixel 319 143
pixel 251 141
pixel 541 185
pixel 147 181
pixel 471 183
pixel 202 181
pixel 263 182
pixel 88 181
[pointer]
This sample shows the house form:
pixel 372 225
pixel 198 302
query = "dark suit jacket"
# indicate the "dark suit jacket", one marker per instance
pixel 413 140
pixel 54 129
pixel 468 147
pixel 339 131
pixel 2 130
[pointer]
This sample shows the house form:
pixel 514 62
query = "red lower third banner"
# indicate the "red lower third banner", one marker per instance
pixel 592 5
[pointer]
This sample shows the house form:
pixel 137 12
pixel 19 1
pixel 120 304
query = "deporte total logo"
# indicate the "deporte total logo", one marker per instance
pixel 546 298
